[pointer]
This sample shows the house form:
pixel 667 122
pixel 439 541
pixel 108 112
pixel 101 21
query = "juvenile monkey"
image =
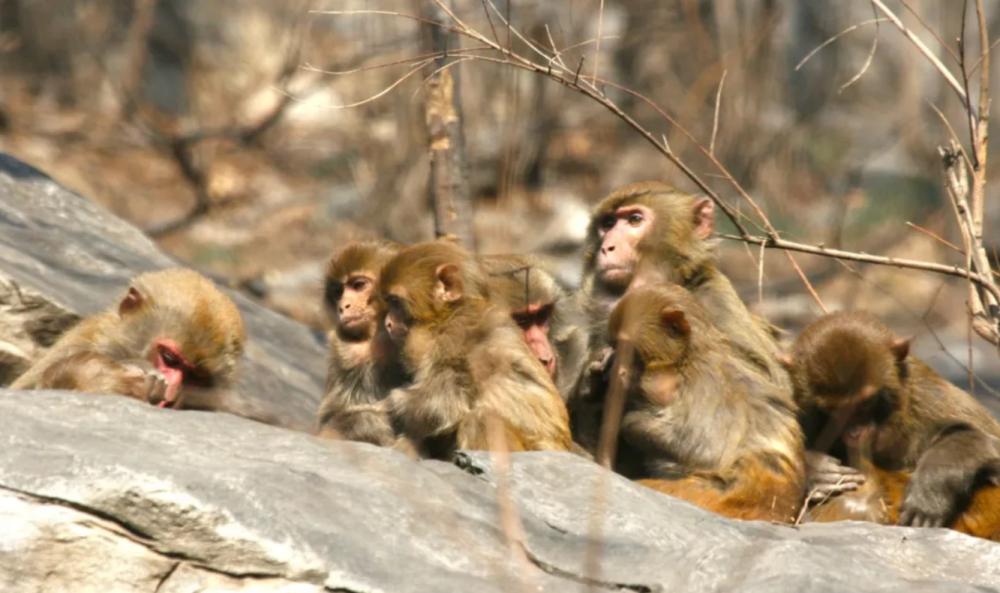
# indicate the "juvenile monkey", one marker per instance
pixel 552 324
pixel 700 422
pixel 362 360
pixel 469 362
pixel 932 451
pixel 173 340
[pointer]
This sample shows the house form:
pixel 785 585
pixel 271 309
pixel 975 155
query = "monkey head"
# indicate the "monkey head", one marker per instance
pixel 519 284
pixel 181 323
pixel 850 366
pixel 647 223
pixel 349 291
pixel 424 287
pixel 657 320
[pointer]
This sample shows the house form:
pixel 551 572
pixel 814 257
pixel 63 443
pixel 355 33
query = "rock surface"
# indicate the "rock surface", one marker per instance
pixel 103 494
pixel 62 256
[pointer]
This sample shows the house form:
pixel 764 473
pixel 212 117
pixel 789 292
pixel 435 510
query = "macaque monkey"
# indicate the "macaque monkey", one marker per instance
pixel 552 325
pixel 647 233
pixel 362 364
pixel 701 422
pixel 651 228
pixel 470 364
pixel 173 340
pixel 931 450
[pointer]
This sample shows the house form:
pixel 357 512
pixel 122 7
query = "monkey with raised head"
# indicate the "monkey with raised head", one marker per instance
pixel 173 340
pixel 552 324
pixel 701 422
pixel 932 451
pixel 469 362
pixel 649 232
pixel 362 362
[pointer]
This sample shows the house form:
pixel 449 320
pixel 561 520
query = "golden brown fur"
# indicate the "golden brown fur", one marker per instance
pixel 678 249
pixel 522 285
pixel 931 450
pixel 112 351
pixel 468 360
pixel 700 422
pixel 362 366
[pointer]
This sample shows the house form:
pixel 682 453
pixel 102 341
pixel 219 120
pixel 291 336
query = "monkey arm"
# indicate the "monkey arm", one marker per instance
pixel 826 477
pixel 946 476
pixel 89 372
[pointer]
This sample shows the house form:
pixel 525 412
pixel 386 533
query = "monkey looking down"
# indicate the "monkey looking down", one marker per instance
pixel 362 361
pixel 865 399
pixel 469 362
pixel 172 340
pixel 548 317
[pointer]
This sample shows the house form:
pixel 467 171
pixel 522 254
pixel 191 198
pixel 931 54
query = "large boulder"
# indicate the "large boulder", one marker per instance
pixel 62 257
pixel 104 494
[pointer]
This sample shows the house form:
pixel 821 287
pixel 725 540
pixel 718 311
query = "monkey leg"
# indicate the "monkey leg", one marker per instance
pixel 756 495
pixel 982 517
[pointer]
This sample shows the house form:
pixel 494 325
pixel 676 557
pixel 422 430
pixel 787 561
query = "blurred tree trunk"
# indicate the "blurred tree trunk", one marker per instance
pixel 448 185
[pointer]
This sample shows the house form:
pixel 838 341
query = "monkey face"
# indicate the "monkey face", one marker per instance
pixel 619 233
pixel 534 321
pixel 351 303
pixel 397 318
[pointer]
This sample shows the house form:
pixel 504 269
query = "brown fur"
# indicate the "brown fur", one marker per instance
pixel 700 422
pixel 520 281
pixel 468 361
pixel 362 368
pixel 179 305
pixel 677 250
pixel 931 449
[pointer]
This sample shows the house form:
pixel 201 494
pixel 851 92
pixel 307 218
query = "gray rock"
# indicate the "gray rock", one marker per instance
pixel 62 256
pixel 102 493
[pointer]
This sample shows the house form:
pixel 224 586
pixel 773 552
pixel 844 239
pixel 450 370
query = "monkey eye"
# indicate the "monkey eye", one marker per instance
pixel 334 290
pixel 171 359
pixel 608 222
pixel 635 219
pixel 359 284
pixel 522 321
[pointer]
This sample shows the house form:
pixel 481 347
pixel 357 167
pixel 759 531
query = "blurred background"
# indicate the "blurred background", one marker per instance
pixel 218 128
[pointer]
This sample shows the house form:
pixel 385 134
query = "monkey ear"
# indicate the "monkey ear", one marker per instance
pixel 131 301
pixel 900 348
pixel 786 361
pixel 675 321
pixel 449 283
pixel 704 218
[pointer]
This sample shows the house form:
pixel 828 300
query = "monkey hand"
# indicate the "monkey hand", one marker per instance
pixel 928 501
pixel 148 384
pixel 826 477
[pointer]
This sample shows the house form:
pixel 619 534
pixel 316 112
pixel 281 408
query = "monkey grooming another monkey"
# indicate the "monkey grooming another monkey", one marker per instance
pixel 173 340
pixel 362 365
pixel 933 452
pixel 469 362
pixel 700 422
pixel 548 317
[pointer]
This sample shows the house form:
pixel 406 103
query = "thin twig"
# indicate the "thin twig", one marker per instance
pixel 930 30
pixel 948 76
pixel 868 60
pixel 834 38
pixel 715 119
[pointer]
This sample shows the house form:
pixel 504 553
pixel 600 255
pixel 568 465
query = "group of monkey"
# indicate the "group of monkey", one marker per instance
pixel 434 349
